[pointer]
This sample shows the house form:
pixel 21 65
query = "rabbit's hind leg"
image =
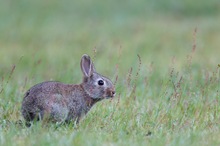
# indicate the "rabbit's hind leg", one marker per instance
pixel 32 116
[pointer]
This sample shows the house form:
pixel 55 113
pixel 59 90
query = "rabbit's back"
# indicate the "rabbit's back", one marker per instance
pixel 54 100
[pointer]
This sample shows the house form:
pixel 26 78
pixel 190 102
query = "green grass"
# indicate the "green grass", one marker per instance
pixel 168 96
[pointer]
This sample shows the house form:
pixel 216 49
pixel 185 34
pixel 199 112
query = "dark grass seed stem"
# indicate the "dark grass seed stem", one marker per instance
pixel 25 83
pixel 94 53
pixel 9 77
pixel 2 84
pixel 136 76
pixel 194 45
pixel 129 77
pixel 194 40
pixel 115 81
pixel 116 75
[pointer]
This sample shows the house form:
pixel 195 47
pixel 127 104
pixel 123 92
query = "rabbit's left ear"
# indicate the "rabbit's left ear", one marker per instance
pixel 87 66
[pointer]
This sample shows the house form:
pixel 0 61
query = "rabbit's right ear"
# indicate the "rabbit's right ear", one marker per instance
pixel 87 66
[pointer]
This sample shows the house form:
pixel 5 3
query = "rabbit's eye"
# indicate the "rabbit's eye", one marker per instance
pixel 101 82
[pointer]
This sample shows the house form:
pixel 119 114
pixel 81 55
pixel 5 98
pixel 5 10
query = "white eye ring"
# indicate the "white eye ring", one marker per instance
pixel 100 82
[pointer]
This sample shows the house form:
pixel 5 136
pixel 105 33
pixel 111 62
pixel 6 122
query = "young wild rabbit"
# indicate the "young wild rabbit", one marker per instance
pixel 61 102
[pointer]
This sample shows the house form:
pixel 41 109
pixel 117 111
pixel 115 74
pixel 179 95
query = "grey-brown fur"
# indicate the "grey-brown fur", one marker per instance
pixel 61 102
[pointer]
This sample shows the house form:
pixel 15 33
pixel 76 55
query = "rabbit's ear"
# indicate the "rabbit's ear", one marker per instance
pixel 87 66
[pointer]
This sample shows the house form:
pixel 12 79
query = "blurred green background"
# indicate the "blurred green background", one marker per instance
pixel 45 39
pixel 61 31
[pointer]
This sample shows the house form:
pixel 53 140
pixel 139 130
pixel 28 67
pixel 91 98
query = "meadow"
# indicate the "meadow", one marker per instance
pixel 162 55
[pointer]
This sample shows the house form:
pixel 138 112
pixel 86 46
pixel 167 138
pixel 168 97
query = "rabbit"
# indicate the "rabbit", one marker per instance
pixel 59 102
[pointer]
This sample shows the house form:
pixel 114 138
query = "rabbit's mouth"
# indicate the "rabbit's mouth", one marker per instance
pixel 110 93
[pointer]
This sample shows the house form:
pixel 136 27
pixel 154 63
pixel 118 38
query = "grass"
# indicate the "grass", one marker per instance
pixel 165 57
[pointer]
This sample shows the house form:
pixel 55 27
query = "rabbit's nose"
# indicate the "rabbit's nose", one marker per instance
pixel 110 92
pixel 113 93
